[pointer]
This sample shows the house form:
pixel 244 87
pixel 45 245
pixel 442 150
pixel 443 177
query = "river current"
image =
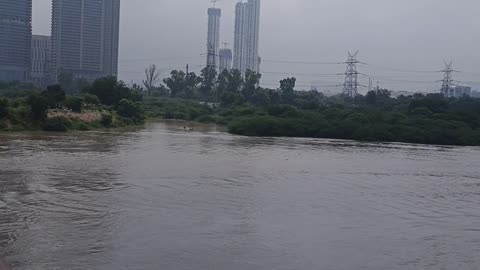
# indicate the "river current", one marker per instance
pixel 160 197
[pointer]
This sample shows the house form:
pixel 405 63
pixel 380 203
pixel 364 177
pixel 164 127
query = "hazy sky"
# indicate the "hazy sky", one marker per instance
pixel 400 34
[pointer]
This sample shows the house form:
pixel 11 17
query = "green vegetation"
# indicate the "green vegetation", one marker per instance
pixel 104 103
pixel 237 101
pixel 250 110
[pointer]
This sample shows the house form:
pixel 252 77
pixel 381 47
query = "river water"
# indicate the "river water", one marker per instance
pixel 159 197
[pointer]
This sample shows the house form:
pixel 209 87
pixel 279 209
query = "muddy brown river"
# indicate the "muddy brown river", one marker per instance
pixel 158 197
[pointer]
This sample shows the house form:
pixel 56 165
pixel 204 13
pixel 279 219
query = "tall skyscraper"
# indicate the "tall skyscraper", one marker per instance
pixel 40 73
pixel 225 57
pixel 213 37
pixel 85 35
pixel 15 39
pixel 247 30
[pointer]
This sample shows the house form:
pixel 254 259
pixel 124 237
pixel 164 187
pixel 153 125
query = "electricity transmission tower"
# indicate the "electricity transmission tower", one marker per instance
pixel 447 82
pixel 350 86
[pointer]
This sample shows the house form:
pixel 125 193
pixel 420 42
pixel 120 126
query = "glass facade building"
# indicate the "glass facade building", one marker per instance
pixel 15 39
pixel 85 37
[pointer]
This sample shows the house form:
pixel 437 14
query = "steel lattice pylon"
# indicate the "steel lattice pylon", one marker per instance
pixel 447 82
pixel 350 86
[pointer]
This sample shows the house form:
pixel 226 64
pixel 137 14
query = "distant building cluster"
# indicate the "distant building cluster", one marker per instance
pixel 84 41
pixel 246 39
pixel 462 91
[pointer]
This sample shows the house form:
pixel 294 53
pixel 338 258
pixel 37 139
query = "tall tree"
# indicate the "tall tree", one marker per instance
pixel 235 81
pixel 151 78
pixel 252 79
pixel 208 80
pixel 110 91
pixel 54 95
pixel 287 87
pixel 191 85
pixel 223 81
pixel 176 82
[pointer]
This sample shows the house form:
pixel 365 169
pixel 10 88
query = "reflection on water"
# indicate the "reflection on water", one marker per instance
pixel 161 197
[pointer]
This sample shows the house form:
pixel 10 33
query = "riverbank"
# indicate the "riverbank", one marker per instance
pixel 417 124
pixel 421 120
pixel 107 103
pixel 247 109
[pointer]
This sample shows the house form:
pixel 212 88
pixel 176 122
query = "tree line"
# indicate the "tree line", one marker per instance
pixel 248 109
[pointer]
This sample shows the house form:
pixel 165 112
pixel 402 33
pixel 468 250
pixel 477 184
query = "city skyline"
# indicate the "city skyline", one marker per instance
pixel 307 30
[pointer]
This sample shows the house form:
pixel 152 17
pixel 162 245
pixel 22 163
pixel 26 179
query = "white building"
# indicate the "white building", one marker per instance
pixel 213 37
pixel 247 30
pixel 85 36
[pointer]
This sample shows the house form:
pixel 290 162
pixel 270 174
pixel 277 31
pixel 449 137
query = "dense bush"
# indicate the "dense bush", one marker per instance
pixel 60 124
pixel 429 120
pixel 106 120
pixel 130 109
pixel 3 108
pixel 74 103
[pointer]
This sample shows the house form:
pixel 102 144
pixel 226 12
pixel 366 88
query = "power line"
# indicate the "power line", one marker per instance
pixel 141 60
pixel 301 74
pixel 301 62
pixel 396 69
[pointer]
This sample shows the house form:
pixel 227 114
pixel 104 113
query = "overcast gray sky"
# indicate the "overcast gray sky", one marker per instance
pixel 400 34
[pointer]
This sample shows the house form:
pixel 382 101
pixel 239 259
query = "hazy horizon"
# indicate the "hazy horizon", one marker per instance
pixel 393 36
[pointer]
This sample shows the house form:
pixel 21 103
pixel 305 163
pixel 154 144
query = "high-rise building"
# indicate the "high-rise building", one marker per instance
pixel 247 30
pixel 213 37
pixel 40 72
pixel 15 39
pixel 85 35
pixel 225 58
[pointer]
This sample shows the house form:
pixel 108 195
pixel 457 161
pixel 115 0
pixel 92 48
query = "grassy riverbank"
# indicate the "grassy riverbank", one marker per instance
pixel 104 104
pixel 420 119
pixel 237 101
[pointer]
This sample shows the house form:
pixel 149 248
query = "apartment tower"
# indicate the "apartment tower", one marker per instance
pixel 213 36
pixel 246 40
pixel 40 73
pixel 85 36
pixel 15 39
